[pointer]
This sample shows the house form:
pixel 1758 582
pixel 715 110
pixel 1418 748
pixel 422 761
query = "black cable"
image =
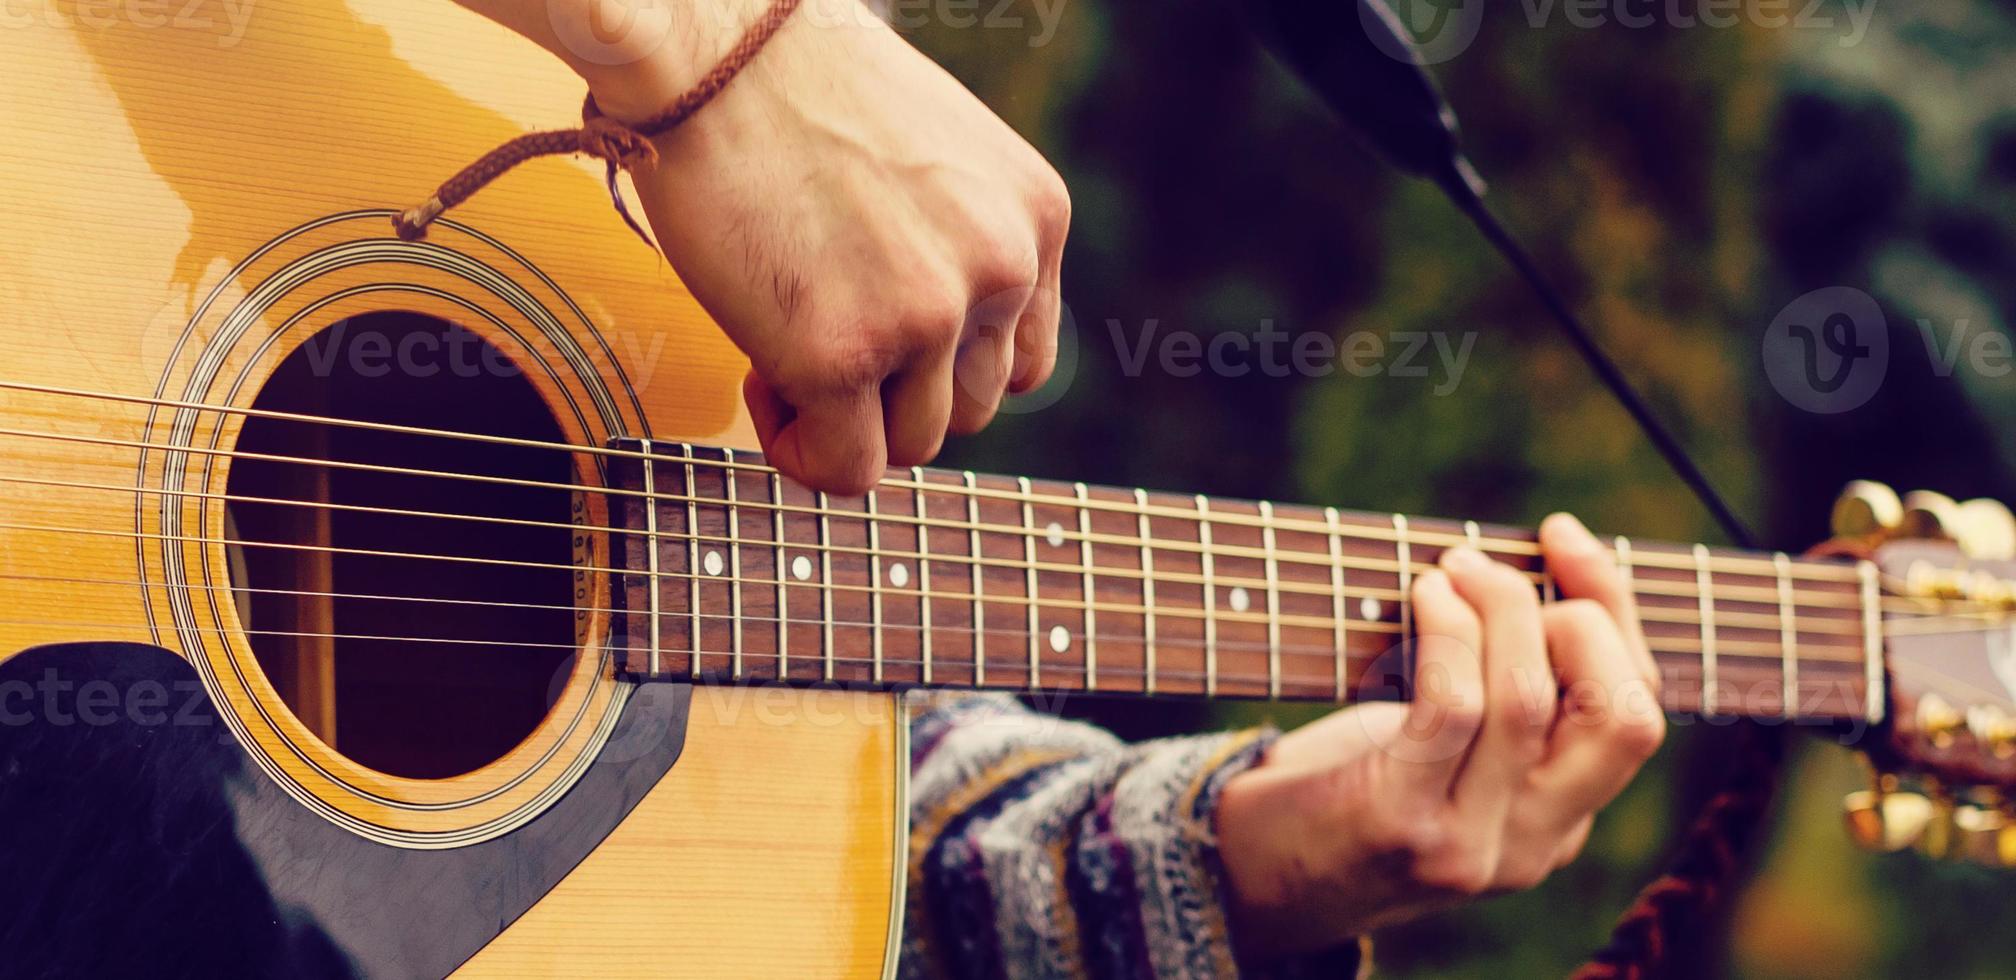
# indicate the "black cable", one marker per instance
pixel 1468 201
pixel 1361 61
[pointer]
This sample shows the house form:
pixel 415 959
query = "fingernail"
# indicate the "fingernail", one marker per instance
pixel 1572 533
pixel 1463 558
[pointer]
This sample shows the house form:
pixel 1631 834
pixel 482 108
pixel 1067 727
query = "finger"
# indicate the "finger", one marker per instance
pixel 1583 568
pixel 1519 687
pixel 1571 846
pixel 916 409
pixel 834 444
pixel 1610 723
pixel 1036 329
pixel 1448 703
pixel 985 356
pixel 1338 737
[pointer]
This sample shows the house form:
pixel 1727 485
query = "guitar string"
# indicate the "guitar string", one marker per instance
pixel 1040 602
pixel 1306 559
pixel 1652 587
pixel 1325 652
pixel 1675 697
pixel 1728 592
pixel 1669 647
pixel 1677 560
pixel 1650 614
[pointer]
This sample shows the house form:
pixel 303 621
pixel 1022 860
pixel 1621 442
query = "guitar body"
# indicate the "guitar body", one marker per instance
pixel 200 213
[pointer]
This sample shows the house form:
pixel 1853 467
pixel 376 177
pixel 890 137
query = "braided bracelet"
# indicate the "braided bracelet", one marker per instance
pixel 624 147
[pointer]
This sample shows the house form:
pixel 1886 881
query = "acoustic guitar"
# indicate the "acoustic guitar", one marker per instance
pixel 397 609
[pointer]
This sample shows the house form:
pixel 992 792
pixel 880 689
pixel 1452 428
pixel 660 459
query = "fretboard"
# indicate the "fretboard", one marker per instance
pixel 949 579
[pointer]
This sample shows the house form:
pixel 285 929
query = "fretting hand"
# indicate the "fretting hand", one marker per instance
pixel 1526 721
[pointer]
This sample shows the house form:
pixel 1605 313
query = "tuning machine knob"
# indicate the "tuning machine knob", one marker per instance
pixel 1993 730
pixel 1983 835
pixel 1887 820
pixel 1985 529
pixel 1867 509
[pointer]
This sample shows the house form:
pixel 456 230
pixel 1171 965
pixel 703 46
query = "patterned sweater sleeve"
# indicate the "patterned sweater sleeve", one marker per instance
pixel 1043 848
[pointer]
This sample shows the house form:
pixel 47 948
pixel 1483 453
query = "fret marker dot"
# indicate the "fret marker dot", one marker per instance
pixel 1368 609
pixel 711 562
pixel 1054 534
pixel 801 568
pixel 1240 600
pixel 1060 639
pixel 899 576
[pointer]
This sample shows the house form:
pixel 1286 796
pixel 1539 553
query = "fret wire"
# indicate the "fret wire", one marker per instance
pixel 1273 604
pixel 651 545
pixel 693 554
pixel 1147 593
pixel 874 584
pixel 1091 598
pixel 1337 599
pixel 1210 599
pixel 1035 598
pixel 1403 552
pixel 923 578
pixel 1621 548
pixel 1788 635
pixel 642 453
pixel 979 604
pixel 826 577
pixel 1732 564
pixel 1704 583
pixel 783 613
pixel 734 567
pixel 1872 652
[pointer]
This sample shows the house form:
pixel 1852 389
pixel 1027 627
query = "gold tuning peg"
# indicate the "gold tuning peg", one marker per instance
pixel 1938 720
pixel 1887 820
pixel 1993 729
pixel 1985 529
pixel 1939 838
pixel 1929 514
pixel 1867 509
pixel 1979 834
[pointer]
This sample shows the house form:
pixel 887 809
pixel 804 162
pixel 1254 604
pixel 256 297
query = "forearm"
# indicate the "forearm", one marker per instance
pixel 1046 848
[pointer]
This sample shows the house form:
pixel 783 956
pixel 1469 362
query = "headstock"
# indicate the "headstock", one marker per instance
pixel 1946 771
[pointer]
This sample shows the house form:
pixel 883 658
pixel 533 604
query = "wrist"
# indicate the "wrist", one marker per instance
pixel 638 55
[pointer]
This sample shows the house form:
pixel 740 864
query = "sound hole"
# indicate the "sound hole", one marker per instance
pixel 413 666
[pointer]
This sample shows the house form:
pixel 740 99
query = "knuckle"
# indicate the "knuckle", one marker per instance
pixel 1522 875
pixel 1052 201
pixel 1637 733
pixel 1583 615
pixel 1455 870
pixel 836 361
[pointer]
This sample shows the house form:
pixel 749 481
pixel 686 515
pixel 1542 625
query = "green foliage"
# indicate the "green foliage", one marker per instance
pixel 1683 185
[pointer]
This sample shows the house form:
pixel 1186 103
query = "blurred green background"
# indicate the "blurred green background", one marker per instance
pixel 1682 184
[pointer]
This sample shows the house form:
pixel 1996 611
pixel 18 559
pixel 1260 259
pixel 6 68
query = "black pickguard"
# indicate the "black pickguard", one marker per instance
pixel 138 840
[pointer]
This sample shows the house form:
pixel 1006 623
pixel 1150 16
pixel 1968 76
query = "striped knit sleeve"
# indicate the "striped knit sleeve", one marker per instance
pixel 1042 848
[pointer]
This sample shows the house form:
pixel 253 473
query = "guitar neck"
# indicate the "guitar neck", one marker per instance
pixel 944 579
